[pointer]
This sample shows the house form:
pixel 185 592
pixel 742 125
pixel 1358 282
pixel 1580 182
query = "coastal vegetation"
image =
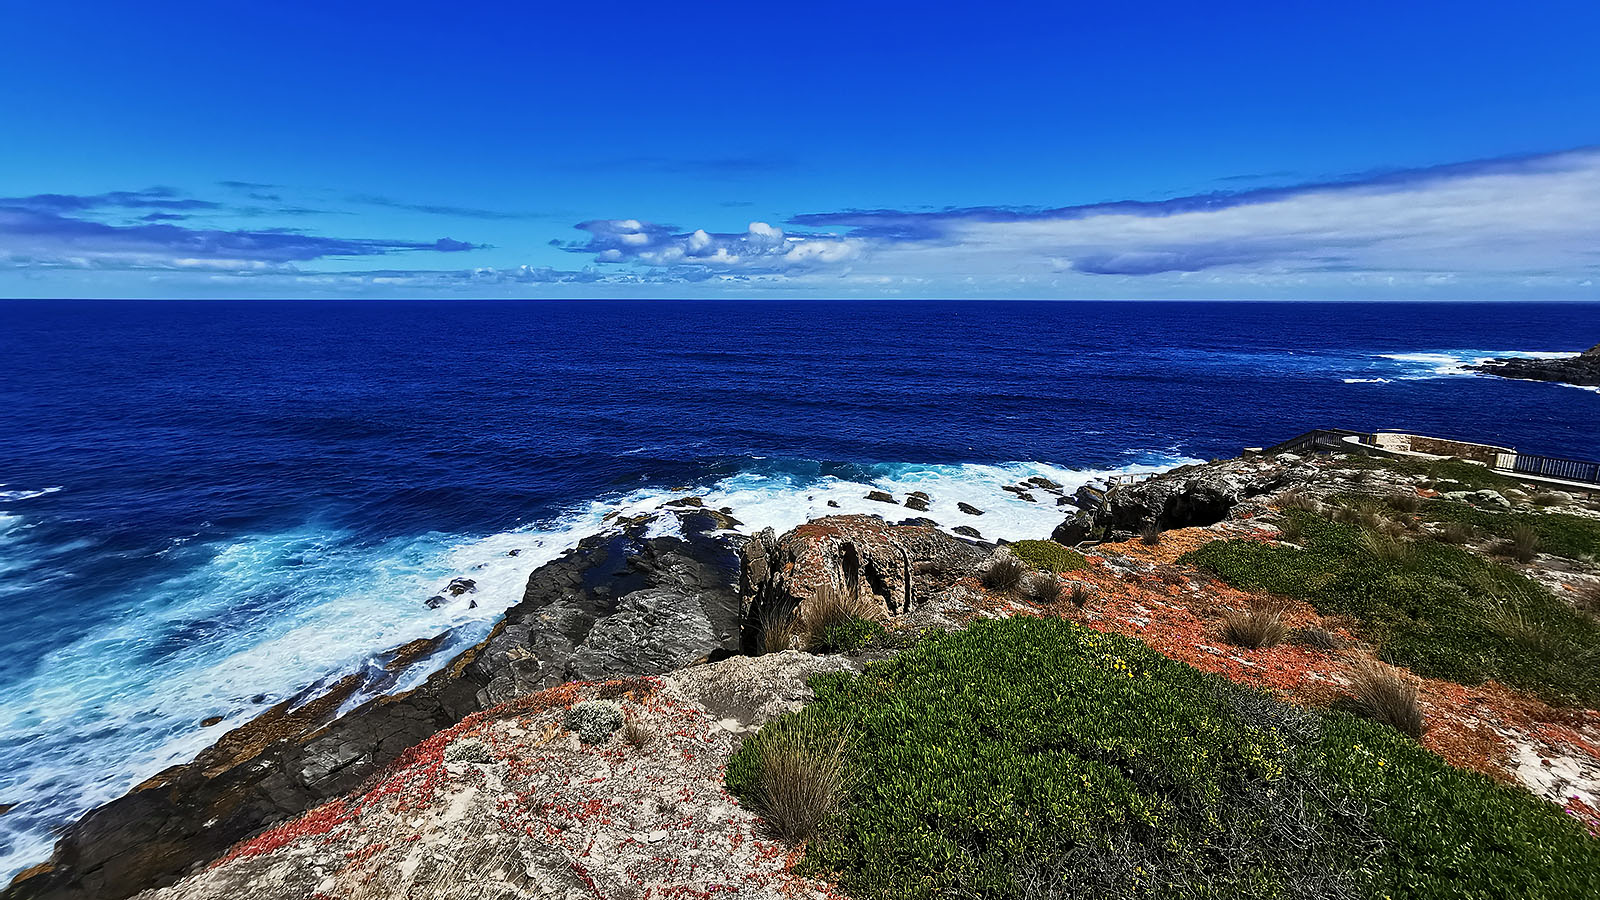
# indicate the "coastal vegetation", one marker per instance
pixel 1561 534
pixel 1048 556
pixel 1435 608
pixel 1034 757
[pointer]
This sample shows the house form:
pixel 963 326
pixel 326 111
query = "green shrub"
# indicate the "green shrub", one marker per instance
pixel 1560 534
pixel 1037 758
pixel 1467 476
pixel 1424 608
pixel 846 635
pixel 1048 555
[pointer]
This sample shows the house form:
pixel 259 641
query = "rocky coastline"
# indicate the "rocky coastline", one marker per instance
pixel 1582 370
pixel 666 628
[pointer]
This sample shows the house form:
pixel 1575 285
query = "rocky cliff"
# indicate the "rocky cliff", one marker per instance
pixel 621 603
pixel 1583 369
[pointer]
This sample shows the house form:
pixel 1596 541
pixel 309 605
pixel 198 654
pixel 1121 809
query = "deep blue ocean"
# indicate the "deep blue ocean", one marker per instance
pixel 209 506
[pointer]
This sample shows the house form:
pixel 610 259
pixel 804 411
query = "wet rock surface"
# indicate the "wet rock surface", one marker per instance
pixel 1583 369
pixel 620 603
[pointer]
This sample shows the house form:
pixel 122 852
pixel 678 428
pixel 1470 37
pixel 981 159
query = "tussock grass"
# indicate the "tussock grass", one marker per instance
pixel 1405 503
pixel 1253 628
pixel 1045 589
pixel 1457 533
pixel 1004 574
pixel 1384 694
pixel 1150 535
pixel 1298 499
pixel 1080 594
pixel 1319 639
pixel 779 630
pixel 636 735
pixel 1421 604
pixel 1522 542
pixel 1387 548
pixel 836 620
pixel 800 775
pixel 1290 530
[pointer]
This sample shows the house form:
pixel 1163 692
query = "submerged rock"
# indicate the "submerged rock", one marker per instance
pixel 920 504
pixel 969 509
pixel 881 497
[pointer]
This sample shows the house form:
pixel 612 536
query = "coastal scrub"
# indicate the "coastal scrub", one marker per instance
pixel 1037 758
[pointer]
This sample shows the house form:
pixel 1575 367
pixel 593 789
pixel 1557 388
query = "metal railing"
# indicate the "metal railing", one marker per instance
pixel 1585 471
pixel 1319 439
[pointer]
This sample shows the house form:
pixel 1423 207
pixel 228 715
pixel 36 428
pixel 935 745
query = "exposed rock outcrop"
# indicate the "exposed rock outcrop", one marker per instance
pixel 532 799
pixel 896 564
pixel 621 603
pixel 1187 496
pixel 1583 369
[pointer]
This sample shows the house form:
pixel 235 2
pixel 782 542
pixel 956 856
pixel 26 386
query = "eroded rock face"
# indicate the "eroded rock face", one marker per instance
pixel 896 564
pixel 621 603
pixel 1184 497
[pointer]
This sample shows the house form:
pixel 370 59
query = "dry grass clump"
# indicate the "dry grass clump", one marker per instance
pixel 1046 589
pixel 638 736
pixel 1457 533
pixel 1004 574
pixel 1403 502
pixel 1545 498
pixel 801 777
pixel 1291 531
pixel 830 606
pixel 1387 547
pixel 1298 499
pixel 1079 595
pixel 779 629
pixel 1522 544
pixel 1150 535
pixel 1319 639
pixel 1254 628
pixel 1346 514
pixel 1385 694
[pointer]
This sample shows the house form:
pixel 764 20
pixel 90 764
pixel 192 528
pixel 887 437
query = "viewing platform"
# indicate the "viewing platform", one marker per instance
pixel 1558 472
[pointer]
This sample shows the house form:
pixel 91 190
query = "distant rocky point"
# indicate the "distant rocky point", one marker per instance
pixel 1583 369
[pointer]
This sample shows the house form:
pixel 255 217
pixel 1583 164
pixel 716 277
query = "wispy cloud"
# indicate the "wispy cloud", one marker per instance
pixel 33 237
pixel 734 166
pixel 149 198
pixel 462 212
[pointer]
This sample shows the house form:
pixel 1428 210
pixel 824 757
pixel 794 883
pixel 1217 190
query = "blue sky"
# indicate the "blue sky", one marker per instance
pixel 1345 151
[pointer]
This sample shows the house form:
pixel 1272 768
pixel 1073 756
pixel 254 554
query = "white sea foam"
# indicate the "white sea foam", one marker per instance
pixel 1369 381
pixel 266 616
pixel 1436 364
pixel 26 495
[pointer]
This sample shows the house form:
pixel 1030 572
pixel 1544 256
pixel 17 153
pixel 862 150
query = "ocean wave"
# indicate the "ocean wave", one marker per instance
pixel 1444 363
pixel 26 495
pixel 1369 381
pixel 261 618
